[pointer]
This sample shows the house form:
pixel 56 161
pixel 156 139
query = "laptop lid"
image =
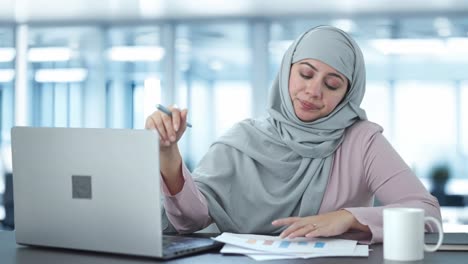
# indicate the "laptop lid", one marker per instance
pixel 86 188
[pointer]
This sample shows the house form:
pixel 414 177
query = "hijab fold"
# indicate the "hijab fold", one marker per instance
pixel 274 167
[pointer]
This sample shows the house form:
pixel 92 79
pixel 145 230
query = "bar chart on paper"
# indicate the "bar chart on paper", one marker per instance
pixel 297 245
pixel 285 244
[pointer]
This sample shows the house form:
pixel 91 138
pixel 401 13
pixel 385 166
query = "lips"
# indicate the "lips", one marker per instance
pixel 309 106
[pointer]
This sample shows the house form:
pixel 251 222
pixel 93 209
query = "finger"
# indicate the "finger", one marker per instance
pixel 288 231
pixel 183 117
pixel 285 221
pixel 157 121
pixel 304 230
pixel 291 229
pixel 317 232
pixel 175 118
pixel 149 124
pixel 323 231
pixel 167 120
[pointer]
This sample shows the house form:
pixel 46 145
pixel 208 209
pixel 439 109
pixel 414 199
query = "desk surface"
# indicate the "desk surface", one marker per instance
pixel 11 253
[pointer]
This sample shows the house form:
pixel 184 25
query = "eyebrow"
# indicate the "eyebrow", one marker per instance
pixel 331 73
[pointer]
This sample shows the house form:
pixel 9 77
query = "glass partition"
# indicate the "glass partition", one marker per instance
pixel 62 64
pixel 214 68
pixel 7 79
pixel 112 75
pixel 135 76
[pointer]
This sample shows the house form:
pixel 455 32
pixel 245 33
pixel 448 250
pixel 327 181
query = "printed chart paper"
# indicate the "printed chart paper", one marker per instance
pixel 273 244
pixel 359 251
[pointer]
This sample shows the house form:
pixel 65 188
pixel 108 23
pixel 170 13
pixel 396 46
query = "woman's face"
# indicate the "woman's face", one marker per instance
pixel 315 89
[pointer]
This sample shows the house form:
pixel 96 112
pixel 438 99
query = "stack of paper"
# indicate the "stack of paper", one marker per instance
pixel 270 247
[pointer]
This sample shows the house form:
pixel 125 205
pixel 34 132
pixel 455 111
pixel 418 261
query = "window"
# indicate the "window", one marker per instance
pixel 425 124
pixel 135 85
pixel 232 104
pixel 464 121
pixel 7 78
pixel 145 98
pixel 61 67
pixel 376 102
pixel 213 69
pixel 113 75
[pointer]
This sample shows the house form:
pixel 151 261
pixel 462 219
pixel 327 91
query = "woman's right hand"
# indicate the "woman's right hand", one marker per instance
pixel 170 129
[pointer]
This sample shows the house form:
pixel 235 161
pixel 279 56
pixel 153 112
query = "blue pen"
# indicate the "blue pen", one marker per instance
pixel 163 109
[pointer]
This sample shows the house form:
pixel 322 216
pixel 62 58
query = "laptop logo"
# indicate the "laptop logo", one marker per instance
pixel 81 187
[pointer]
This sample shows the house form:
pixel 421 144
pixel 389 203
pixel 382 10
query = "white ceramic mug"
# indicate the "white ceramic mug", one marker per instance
pixel 404 234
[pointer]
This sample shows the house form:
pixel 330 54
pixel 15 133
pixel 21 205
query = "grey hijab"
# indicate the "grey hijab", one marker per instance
pixel 275 167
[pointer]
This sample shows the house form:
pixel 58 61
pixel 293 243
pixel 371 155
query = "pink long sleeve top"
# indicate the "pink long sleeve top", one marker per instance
pixel 365 166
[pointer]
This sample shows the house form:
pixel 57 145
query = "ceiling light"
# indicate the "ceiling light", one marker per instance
pixel 7 54
pixel 61 75
pixel 409 46
pixel 49 54
pixel 136 53
pixel 6 75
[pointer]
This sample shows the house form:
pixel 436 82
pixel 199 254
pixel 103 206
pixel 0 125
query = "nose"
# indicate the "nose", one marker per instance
pixel 314 88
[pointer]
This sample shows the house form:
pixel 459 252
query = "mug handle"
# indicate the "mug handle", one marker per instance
pixel 441 234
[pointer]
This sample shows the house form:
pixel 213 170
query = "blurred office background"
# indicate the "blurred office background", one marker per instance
pixel 83 63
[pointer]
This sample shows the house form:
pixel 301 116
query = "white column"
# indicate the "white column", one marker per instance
pixel 119 94
pixel 168 82
pixel 458 118
pixel 392 111
pixel 22 91
pixel 94 99
pixel 260 36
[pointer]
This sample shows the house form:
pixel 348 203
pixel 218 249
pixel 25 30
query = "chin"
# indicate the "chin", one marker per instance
pixel 307 118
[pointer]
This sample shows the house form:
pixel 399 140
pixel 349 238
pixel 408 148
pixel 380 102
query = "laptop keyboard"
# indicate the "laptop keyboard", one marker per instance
pixel 174 243
pixel 180 245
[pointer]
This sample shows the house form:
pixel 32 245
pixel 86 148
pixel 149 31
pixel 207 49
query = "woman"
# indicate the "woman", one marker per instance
pixel 313 166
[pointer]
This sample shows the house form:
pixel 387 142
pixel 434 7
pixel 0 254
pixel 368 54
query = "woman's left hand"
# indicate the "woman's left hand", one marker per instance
pixel 324 225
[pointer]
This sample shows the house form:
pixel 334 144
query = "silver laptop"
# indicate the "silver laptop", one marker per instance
pixel 92 189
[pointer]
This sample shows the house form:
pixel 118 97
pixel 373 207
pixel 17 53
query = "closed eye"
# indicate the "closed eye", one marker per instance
pixel 332 87
pixel 307 77
pixel 333 83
